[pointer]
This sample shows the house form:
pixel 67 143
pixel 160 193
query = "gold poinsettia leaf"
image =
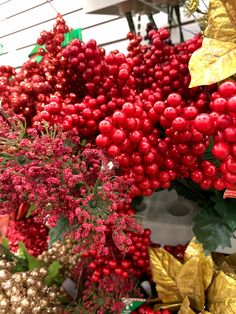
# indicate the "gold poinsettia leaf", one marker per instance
pixel 190 283
pixel 168 306
pixel 165 269
pixel 213 62
pixel 228 270
pixel 185 308
pixel 230 7
pixel 195 249
pixel 222 294
pixel 221 23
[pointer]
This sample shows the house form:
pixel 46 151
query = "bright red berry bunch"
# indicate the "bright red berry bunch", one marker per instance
pixel 34 235
pixel 134 263
pixel 137 107
pixel 145 309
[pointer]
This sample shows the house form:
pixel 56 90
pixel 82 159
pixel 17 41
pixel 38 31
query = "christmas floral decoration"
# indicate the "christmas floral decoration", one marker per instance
pixel 216 59
pixel 196 285
pixel 88 131
pixel 75 184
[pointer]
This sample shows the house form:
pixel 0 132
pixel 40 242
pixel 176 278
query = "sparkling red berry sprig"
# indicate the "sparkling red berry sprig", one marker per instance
pixel 135 263
pixel 146 309
pixel 34 235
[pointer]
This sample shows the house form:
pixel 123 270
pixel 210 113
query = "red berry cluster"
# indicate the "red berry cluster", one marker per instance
pixel 145 309
pixel 177 251
pixel 131 134
pixel 33 235
pixel 138 106
pixel 134 263
pixel 29 88
pixel 222 120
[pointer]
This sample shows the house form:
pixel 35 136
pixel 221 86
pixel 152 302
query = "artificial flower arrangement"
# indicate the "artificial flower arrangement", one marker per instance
pixel 83 135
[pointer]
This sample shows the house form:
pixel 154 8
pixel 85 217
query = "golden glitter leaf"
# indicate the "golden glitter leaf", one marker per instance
pixel 190 283
pixel 165 269
pixel 222 294
pixel 216 59
pixel 185 307
pixel 213 62
pixel 195 249
pixel 221 26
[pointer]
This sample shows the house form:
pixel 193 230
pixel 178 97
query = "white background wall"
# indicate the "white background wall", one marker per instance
pixel 21 22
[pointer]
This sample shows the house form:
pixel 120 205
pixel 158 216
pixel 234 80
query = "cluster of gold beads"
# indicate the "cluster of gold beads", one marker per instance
pixel 63 253
pixel 26 293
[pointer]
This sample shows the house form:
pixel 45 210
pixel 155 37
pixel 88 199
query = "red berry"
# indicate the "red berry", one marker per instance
pixel 221 150
pixel 227 89
pixel 102 141
pixel 231 104
pixel 204 123
pixel 105 127
pixel 174 99
pixel 219 105
pixel 179 124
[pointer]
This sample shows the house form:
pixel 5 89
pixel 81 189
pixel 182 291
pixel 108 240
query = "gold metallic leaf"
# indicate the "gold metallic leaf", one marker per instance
pixel 222 294
pixel 221 26
pixel 195 249
pixel 172 307
pixel 185 308
pixel 216 59
pixel 213 62
pixel 230 6
pixel 165 269
pixel 190 283
pixel 228 270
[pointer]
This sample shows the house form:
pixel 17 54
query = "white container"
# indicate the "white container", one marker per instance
pixel 169 217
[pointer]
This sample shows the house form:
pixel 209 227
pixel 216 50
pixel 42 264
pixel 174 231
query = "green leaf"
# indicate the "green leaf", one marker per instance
pixel 208 154
pixel 30 210
pixel 226 209
pixel 35 49
pixel 38 58
pixel 5 243
pixel 53 274
pixel 136 203
pixel 21 265
pixel 56 233
pixel 83 142
pixel 211 230
pixel 73 34
pixel 31 260
pixel 6 249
